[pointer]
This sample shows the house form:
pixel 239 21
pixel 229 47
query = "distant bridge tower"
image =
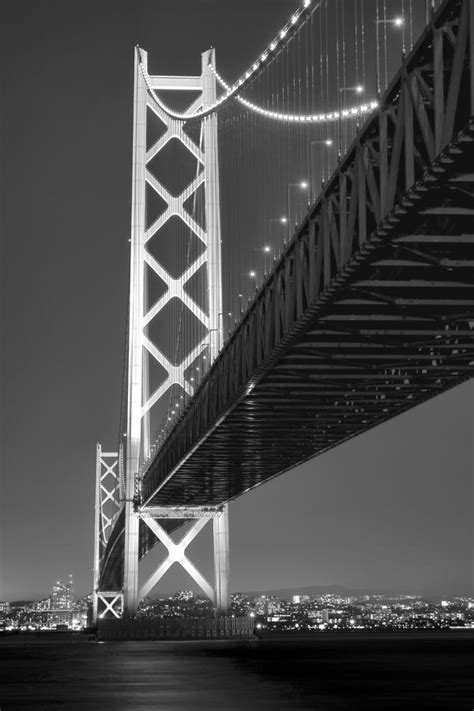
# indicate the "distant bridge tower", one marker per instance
pixel 175 311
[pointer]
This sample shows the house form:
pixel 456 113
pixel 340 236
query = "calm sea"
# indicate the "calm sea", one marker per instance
pixel 353 671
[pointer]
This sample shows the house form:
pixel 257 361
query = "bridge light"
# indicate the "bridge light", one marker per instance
pixel 267 249
pixel 272 46
pixel 359 89
pixel 294 19
pixel 283 220
pixel 328 142
pixel 283 33
pixel 307 3
pixel 303 185
pixel 252 274
pixel 398 21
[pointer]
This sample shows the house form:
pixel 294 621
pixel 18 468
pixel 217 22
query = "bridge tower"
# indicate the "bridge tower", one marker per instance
pixel 146 349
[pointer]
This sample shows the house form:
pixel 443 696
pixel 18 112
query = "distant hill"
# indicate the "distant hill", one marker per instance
pixel 314 590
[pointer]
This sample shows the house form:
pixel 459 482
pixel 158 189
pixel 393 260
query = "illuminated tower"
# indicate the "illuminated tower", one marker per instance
pixel 194 210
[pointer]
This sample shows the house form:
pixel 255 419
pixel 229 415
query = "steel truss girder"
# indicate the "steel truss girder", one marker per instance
pixel 180 512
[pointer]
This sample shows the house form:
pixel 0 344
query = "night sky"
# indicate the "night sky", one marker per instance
pixel 392 509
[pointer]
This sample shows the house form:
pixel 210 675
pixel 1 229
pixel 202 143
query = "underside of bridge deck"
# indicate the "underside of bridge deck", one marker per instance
pixel 397 330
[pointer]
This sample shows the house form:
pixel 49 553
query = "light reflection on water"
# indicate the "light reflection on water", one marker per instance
pixel 321 674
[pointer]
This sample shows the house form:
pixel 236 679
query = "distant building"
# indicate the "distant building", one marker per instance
pixel 4 607
pixel 297 599
pixel 43 605
pixel 62 596
pixel 183 595
pixel 61 603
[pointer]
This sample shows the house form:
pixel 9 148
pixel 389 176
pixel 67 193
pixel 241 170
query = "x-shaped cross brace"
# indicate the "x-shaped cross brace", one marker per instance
pixel 176 554
pixel 175 372
pixel 107 493
pixel 109 606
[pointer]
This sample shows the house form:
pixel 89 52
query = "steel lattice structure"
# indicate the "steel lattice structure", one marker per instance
pixel 369 311
pixel 142 345
pixel 108 504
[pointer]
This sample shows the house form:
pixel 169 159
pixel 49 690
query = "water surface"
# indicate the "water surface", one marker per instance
pixel 349 671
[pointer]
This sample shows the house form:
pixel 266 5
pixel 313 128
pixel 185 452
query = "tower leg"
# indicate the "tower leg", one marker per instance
pixel 137 431
pixel 221 560
pixel 130 572
pixel 95 603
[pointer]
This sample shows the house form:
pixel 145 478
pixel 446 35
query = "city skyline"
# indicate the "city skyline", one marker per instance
pixel 316 612
pixel 392 505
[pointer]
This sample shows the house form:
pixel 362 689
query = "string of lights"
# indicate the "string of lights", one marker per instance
pixel 350 112
pixel 296 21
pixel 283 128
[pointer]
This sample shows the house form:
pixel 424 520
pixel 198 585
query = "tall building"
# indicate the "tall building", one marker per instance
pixel 62 596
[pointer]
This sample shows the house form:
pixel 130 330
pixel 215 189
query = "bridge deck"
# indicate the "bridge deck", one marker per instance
pixel 395 329
pixel 369 312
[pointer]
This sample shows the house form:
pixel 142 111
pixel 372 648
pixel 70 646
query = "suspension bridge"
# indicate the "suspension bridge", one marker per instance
pixel 302 268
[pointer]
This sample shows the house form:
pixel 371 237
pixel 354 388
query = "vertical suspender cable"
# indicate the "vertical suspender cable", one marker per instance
pixel 362 37
pixel 377 47
pixel 385 43
pixel 404 49
pixel 343 30
pixel 338 82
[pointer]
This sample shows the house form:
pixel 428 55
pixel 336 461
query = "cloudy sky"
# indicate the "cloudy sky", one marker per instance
pixel 392 509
